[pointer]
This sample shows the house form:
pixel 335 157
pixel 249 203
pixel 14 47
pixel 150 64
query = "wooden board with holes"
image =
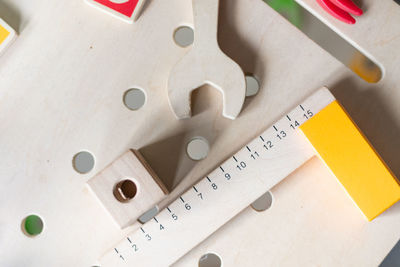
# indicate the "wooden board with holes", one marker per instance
pixel 72 101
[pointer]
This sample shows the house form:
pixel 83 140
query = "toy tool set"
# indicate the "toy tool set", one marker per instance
pixel 120 146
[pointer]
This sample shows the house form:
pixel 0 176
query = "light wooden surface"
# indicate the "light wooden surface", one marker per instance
pixel 205 63
pixel 61 92
pixel 149 189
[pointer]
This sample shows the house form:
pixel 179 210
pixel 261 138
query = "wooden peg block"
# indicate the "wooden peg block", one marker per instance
pixel 127 10
pixel 127 188
pixel 7 35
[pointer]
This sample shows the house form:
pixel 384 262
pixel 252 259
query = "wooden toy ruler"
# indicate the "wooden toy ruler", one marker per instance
pixel 71 101
pixel 223 193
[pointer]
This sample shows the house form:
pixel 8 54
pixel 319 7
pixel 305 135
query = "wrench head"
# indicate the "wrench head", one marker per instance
pixel 197 68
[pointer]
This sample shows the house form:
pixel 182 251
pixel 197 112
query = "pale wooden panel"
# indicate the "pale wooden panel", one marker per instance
pixel 61 87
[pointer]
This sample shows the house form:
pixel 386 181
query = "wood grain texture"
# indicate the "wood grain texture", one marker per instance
pixel 72 100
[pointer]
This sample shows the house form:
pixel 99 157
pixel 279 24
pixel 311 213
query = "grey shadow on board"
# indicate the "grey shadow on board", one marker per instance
pixel 393 258
pixel 237 48
pixel 168 159
pixel 145 7
pixel 361 4
pixel 168 156
pixel 10 14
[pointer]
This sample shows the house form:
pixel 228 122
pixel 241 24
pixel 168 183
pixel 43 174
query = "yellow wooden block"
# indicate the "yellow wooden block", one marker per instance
pixel 7 35
pixel 352 159
pixel 3 34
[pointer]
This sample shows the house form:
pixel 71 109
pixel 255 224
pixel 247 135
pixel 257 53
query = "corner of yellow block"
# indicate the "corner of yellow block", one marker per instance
pixel 4 33
pixel 352 159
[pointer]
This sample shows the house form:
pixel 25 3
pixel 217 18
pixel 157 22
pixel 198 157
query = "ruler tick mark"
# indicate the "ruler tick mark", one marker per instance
pixel 116 250
pixel 275 128
pixel 222 169
pixel 168 209
pixel 208 179
pixel 235 158
pixel 195 189
pixel 262 139
pixel 142 230
pixel 182 199
pixel 248 149
pixel 287 116
pixel 302 107
pixel 129 240
pixel 155 219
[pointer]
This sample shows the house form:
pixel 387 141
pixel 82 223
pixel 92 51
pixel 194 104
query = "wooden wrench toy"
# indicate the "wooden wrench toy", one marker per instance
pixel 205 63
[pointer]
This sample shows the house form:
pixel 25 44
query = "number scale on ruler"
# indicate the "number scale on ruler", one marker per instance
pixel 222 194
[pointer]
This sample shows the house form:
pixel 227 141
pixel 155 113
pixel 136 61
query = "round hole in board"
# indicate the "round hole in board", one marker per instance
pixel 32 225
pixel 83 162
pixel 263 203
pixel 210 260
pixel 184 36
pixel 134 98
pixel 252 85
pixel 125 190
pixel 197 148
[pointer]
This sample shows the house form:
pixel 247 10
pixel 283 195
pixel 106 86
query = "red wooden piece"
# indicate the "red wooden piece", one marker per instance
pixel 348 6
pixel 125 9
pixel 336 12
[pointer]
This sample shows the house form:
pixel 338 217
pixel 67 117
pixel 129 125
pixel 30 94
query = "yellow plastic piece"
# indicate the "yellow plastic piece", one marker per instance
pixel 3 34
pixel 353 161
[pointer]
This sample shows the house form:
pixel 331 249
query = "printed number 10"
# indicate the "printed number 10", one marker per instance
pixel 241 166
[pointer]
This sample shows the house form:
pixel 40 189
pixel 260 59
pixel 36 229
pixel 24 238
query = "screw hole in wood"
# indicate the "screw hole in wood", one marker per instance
pixel 184 36
pixel 252 85
pixel 198 148
pixel 83 162
pixel 134 98
pixel 32 225
pixel 210 260
pixel 125 191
